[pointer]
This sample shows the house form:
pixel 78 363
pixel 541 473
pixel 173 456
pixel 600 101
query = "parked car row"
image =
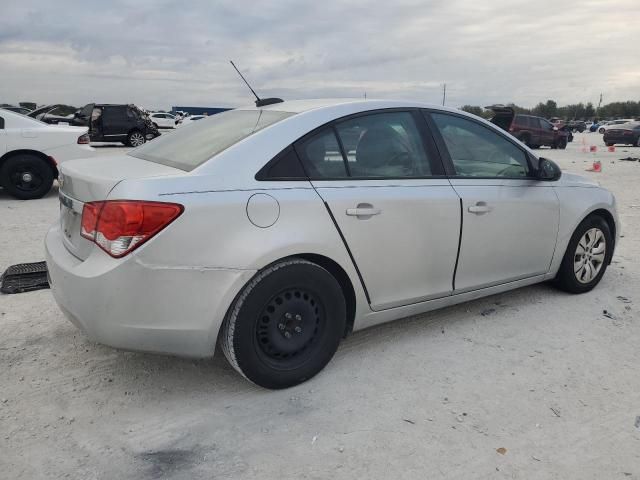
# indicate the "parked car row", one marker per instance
pixel 533 131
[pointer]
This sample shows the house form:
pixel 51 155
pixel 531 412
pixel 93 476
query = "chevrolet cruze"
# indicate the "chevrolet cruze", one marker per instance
pixel 274 232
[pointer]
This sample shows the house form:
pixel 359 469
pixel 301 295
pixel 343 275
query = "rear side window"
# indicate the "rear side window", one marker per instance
pixel 113 113
pixel 477 151
pixel 1 123
pixel 322 156
pixel 191 146
pixel 383 145
pixel 376 146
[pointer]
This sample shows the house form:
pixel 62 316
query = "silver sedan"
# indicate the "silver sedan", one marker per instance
pixel 274 232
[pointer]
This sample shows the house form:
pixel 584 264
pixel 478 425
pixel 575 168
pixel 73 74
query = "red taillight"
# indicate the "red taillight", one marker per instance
pixel 121 226
pixel 84 139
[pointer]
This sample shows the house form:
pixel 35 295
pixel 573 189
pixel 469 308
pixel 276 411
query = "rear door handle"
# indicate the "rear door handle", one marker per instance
pixel 363 210
pixel 480 208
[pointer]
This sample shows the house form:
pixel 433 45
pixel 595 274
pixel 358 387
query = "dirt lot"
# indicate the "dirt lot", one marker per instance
pixel 544 375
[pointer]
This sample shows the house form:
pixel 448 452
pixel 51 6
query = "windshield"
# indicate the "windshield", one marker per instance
pixel 194 144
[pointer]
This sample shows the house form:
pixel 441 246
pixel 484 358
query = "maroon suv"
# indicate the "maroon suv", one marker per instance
pixel 533 131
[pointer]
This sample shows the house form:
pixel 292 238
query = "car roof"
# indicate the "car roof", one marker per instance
pixel 300 106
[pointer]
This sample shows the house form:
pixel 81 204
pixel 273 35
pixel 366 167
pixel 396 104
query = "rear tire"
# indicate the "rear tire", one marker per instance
pixel 601 130
pixel 26 176
pixel 135 138
pixel 609 144
pixel 524 138
pixel 285 325
pixel 587 256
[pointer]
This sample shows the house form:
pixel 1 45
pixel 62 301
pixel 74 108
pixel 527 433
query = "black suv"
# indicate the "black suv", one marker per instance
pixel 116 123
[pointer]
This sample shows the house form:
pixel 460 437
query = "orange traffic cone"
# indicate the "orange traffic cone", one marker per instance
pixel 596 167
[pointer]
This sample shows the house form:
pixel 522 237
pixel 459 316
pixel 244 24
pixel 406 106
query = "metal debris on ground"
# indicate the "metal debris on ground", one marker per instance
pixel 630 159
pixel 24 277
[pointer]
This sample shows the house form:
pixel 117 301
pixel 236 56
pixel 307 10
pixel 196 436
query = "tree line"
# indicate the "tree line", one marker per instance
pixel 576 111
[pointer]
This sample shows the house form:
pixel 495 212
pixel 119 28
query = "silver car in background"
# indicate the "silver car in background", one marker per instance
pixel 276 231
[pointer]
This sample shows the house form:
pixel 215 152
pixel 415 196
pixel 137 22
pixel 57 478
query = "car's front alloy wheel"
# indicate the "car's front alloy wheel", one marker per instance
pixel 587 256
pixel 285 325
pixel 590 255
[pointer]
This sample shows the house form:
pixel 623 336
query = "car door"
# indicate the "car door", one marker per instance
pixel 547 132
pixel 384 186
pixel 114 122
pixel 509 219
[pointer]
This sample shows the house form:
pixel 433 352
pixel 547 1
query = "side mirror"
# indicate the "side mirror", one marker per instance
pixel 548 170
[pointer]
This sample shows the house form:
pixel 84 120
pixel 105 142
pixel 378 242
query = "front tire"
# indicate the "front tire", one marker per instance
pixel 26 176
pixel 587 256
pixel 285 325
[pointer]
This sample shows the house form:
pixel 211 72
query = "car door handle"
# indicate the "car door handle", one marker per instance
pixel 363 210
pixel 480 208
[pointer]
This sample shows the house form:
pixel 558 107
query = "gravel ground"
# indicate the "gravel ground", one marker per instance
pixel 531 384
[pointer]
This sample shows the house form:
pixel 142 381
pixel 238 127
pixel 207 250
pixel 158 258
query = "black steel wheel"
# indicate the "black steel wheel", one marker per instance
pixel 26 176
pixel 285 325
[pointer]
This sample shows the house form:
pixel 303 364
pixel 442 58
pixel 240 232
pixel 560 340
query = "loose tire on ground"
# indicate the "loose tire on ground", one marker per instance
pixel 285 325
pixel 568 277
pixel 26 176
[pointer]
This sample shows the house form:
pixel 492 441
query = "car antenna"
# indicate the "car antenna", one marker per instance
pixel 260 102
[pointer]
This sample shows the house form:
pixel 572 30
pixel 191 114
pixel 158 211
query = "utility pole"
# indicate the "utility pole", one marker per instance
pixel 599 105
pixel 444 93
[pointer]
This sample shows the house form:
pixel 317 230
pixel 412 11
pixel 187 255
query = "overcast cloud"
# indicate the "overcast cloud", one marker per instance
pixel 158 54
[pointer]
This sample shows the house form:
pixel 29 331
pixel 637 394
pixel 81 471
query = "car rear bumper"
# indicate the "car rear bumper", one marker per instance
pixel 130 305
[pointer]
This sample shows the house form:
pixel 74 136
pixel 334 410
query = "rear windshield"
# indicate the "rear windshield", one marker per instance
pixel 192 145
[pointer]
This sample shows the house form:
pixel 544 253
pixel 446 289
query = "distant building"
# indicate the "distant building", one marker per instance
pixel 200 110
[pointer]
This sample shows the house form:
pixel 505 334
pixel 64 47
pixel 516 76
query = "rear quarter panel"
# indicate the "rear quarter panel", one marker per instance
pixel 215 231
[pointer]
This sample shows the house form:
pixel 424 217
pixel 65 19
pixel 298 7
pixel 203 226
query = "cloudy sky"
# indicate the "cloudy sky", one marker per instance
pixel 163 53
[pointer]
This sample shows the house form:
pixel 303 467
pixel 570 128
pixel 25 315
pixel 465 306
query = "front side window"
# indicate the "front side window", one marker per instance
pixel 477 151
pixel 188 148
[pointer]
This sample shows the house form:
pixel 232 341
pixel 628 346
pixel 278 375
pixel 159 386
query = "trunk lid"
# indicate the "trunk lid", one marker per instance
pixel 92 179
pixel 503 117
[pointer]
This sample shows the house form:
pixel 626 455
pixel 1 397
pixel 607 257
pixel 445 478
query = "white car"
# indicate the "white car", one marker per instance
pixel 614 124
pixel 190 119
pixel 31 151
pixel 163 120
pixel 276 231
